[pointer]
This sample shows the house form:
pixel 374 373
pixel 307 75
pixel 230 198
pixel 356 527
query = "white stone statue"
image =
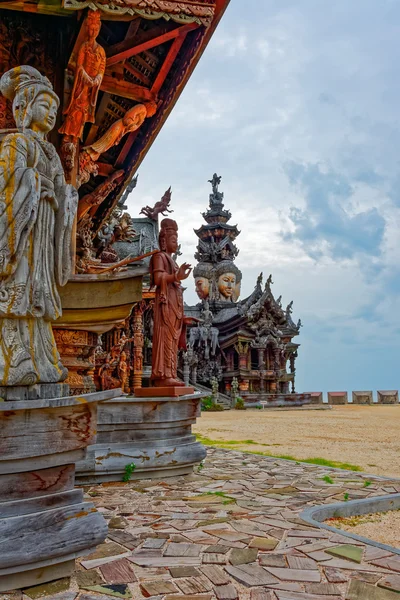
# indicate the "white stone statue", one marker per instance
pixel 37 211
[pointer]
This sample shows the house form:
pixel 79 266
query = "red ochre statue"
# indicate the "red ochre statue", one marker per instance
pixel 169 321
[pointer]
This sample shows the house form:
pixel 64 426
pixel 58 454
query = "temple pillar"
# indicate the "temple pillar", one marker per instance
pixel 77 349
pixel 138 343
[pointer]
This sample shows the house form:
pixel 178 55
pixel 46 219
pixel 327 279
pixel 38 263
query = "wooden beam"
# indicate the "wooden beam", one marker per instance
pixel 166 37
pixel 125 89
pixel 167 64
pixel 136 38
pixel 125 148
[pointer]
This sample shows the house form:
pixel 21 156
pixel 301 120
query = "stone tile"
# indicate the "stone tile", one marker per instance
pixel 366 577
pixel 288 586
pixel 174 549
pixel 93 597
pixel 152 588
pixel 190 597
pixel 242 557
pixel 200 537
pixel 217 549
pixel 85 578
pixel 105 550
pixel 16 595
pixel 374 553
pixel 299 562
pixel 261 594
pixel 47 589
pixel 334 575
pixel 184 572
pixel 118 571
pixel 323 589
pixel 153 543
pixel 194 585
pixel 117 523
pixel 251 575
pixel 390 582
pixel 125 539
pixel 347 551
pixel 304 596
pixel 216 575
pixel 263 543
pixel 113 590
pixel 358 590
pixel 273 560
pixel 390 562
pixel 229 536
pixel 226 592
pixel 165 561
pixel 295 574
pixel 210 558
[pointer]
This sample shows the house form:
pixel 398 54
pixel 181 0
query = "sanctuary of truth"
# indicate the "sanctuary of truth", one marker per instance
pixel 95 336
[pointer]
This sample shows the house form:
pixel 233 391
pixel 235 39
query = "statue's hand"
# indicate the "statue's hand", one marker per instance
pixel 184 271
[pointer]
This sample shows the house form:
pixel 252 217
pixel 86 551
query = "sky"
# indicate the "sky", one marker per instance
pixel 296 104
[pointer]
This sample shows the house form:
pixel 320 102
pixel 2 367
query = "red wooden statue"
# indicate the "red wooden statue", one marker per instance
pixel 169 321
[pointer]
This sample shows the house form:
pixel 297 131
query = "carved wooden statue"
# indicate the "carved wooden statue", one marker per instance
pixel 90 67
pixel 132 120
pixel 37 211
pixel 169 321
pixel 160 207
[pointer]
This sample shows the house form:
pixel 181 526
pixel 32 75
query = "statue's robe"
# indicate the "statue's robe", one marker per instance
pixel 169 332
pixel 37 211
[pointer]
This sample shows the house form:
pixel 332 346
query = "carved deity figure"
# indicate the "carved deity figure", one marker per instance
pixel 37 211
pixel 95 198
pixel 90 67
pixel 131 121
pixel 228 282
pixel 202 274
pixel 160 207
pixel 123 371
pixel 169 321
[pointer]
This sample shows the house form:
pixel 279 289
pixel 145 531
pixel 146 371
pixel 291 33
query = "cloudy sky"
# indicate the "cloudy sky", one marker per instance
pixel 296 103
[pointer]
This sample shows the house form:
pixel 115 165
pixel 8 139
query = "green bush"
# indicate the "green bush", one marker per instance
pixel 208 404
pixel 239 405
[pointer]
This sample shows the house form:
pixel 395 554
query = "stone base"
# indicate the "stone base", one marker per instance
pixel 153 433
pixel 33 577
pixel 163 392
pixel 44 522
pixel 39 391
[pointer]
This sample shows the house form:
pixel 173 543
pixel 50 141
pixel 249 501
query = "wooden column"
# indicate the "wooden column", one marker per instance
pixel 138 342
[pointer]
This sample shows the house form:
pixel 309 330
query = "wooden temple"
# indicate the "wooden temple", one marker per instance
pixel 119 67
pixel 245 344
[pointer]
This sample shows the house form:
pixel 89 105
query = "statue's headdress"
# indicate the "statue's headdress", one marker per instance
pixel 203 270
pixel 228 267
pixel 22 85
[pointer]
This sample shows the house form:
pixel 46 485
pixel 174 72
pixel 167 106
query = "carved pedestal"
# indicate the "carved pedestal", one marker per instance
pixel 44 522
pixel 76 349
pixel 154 433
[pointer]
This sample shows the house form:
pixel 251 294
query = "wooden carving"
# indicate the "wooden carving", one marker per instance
pixel 36 218
pixel 90 67
pixel 92 200
pixel 132 120
pixel 169 321
pixel 160 207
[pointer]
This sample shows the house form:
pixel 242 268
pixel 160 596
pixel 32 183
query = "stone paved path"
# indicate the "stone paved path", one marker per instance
pixel 230 531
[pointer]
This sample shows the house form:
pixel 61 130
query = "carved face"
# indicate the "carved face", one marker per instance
pixel 202 285
pixel 171 241
pixel 93 27
pixel 236 293
pixel 44 113
pixel 226 285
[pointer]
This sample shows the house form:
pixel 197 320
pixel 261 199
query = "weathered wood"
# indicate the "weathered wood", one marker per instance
pixel 154 433
pixel 125 89
pixel 44 523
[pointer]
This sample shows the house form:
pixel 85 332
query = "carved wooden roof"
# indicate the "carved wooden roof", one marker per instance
pixel 187 11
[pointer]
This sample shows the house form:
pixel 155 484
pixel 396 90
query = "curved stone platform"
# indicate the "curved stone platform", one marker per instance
pixel 154 433
pixel 44 522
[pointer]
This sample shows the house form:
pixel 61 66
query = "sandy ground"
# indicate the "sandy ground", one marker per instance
pixel 383 527
pixel 367 436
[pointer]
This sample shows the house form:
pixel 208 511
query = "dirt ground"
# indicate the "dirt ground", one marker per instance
pixel 366 436
pixel 382 527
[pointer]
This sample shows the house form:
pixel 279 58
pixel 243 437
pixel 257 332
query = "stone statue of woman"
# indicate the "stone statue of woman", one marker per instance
pixel 37 211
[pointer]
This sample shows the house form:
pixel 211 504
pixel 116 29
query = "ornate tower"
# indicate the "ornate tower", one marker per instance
pixel 217 278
